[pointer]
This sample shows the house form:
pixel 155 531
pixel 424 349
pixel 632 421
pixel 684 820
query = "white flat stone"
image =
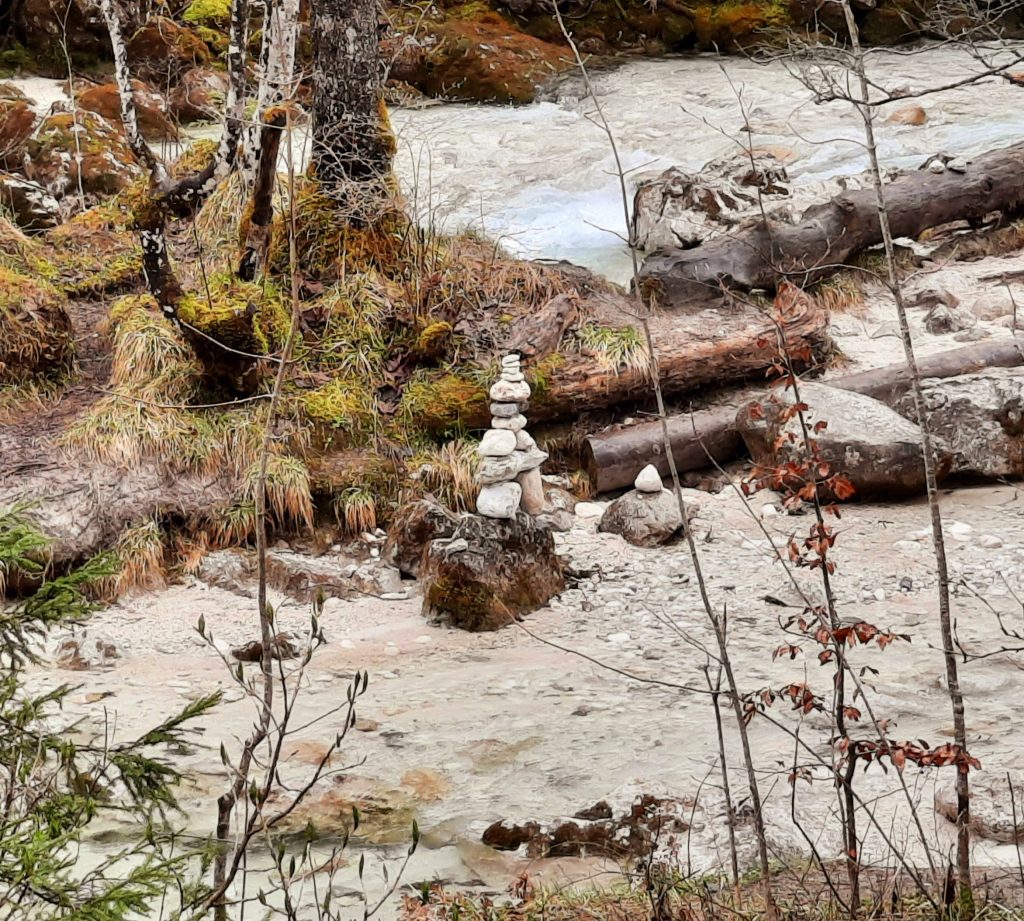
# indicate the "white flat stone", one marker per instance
pixel 500 500
pixel 509 392
pixel 497 443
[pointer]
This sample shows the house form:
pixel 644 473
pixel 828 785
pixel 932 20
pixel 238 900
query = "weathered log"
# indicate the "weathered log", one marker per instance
pixel 761 255
pixel 713 346
pixel 614 457
pixel 537 335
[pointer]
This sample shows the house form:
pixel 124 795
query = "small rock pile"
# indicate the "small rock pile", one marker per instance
pixel 509 476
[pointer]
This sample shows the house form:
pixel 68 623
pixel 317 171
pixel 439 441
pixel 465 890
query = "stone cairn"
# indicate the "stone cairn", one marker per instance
pixel 509 476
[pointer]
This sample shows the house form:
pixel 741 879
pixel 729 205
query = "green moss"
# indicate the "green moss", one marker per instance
pixel 35 332
pixel 208 13
pixel 344 405
pixel 244 316
pixel 614 347
pixel 443 403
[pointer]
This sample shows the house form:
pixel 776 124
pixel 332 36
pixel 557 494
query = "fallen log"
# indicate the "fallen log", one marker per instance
pixel 713 346
pixel 760 255
pixel 613 458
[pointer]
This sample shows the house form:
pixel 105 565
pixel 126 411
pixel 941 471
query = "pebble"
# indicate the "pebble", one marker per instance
pixel 510 392
pixel 769 511
pixel 589 509
pixel 512 424
pixel 990 542
pixel 618 638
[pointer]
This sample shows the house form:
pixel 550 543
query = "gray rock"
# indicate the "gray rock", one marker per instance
pixel 504 410
pixel 932 297
pixel 644 519
pixel 510 392
pixel 524 441
pixel 32 206
pixel 497 443
pixel 512 424
pixel 648 480
pixel 85 651
pixel 875 448
pixel 980 417
pixel 499 500
pixel 943 320
pixel 992 807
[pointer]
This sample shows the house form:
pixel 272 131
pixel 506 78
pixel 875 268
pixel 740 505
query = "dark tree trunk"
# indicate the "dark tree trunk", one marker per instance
pixel 351 138
pixel 828 235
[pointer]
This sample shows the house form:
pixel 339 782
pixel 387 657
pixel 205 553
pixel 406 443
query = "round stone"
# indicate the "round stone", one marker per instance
pixel 512 424
pixel 648 480
pixel 513 377
pixel 504 410
pixel 497 443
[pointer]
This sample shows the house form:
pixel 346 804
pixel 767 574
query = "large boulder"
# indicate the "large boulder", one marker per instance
pixel 414 526
pixel 865 441
pixel 484 57
pixel 150 108
pixel 490 572
pixel 646 519
pixel 980 417
pixel 83 153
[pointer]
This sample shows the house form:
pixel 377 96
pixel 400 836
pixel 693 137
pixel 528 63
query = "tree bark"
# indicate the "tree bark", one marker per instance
pixel 613 458
pixel 351 139
pixel 760 255
pixel 261 205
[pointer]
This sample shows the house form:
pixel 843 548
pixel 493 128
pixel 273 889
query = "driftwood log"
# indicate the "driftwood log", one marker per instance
pixel 761 255
pixel 713 346
pixel 614 457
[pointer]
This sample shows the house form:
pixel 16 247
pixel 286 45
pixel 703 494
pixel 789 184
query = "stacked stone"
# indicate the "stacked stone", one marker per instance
pixel 509 476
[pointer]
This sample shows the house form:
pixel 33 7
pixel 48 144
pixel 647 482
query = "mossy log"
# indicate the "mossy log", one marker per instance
pixel 714 346
pixel 761 255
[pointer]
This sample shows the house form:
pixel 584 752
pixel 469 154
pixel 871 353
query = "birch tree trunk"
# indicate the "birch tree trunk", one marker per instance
pixel 352 144
pixel 276 69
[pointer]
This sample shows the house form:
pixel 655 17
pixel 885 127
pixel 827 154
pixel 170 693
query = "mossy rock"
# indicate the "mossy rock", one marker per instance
pixel 105 100
pixel 162 50
pixel 93 254
pixel 81 153
pixel 35 331
pixel 244 316
pixel 342 411
pixel 442 403
pixel 473 53
pixel 504 569
pixel 736 24
pixel 212 13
